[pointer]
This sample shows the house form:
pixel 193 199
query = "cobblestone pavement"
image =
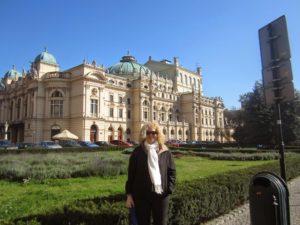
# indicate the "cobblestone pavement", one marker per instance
pixel 241 215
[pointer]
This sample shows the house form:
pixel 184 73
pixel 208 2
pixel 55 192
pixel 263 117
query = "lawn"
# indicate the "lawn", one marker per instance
pixel 22 199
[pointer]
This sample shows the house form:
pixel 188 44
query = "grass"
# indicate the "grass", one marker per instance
pixel 22 199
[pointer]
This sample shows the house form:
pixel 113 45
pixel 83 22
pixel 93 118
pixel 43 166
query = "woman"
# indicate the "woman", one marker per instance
pixel 151 177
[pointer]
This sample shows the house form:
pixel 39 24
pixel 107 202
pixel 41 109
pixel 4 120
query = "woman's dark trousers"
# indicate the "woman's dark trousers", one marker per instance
pixel 152 203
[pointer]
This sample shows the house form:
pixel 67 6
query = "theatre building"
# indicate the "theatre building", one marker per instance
pixel 98 103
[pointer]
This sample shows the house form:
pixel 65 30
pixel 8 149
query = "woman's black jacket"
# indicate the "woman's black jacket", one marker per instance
pixel 139 182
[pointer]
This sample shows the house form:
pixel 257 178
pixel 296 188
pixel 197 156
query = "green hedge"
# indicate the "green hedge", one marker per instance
pixel 62 150
pixel 241 156
pixel 235 150
pixel 193 202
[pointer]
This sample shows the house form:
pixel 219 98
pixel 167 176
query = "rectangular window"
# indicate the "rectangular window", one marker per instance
pixel 145 115
pixel 170 117
pixel 111 98
pixel 120 113
pixel 56 108
pixel 128 101
pixel 120 99
pixel 154 115
pixel 111 112
pixel 94 107
pixel 128 114
pixel 162 117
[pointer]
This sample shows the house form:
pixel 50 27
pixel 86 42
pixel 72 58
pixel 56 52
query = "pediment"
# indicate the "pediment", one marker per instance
pixel 95 75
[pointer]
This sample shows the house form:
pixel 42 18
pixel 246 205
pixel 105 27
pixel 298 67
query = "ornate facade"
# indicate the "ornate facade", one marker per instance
pixel 96 103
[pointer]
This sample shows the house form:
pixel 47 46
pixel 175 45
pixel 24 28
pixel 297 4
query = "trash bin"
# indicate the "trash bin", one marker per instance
pixel 269 200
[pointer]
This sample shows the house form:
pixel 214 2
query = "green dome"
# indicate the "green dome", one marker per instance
pixel 13 74
pixel 128 65
pixel 45 57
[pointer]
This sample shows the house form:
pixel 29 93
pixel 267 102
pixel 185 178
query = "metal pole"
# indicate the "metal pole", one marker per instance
pixel 277 96
pixel 280 141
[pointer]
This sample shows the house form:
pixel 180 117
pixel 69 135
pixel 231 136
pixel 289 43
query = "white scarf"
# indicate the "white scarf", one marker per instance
pixel 153 166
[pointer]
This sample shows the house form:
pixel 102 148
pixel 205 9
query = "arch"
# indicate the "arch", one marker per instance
pixel 18 109
pixel 179 132
pixel 172 131
pixel 56 103
pixel 93 133
pixel 164 131
pixel 55 129
pixel 96 75
pixel 120 133
pixel 145 103
pixel 110 133
pixel 56 94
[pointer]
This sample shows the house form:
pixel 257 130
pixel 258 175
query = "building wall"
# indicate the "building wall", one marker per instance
pixel 116 107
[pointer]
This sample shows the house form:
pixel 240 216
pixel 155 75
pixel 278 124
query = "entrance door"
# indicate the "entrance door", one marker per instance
pixel 120 133
pixel 54 130
pixel 93 133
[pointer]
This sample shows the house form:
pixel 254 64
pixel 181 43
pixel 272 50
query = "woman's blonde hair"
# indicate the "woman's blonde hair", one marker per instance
pixel 154 126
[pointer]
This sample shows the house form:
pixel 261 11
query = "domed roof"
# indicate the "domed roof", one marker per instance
pixel 13 74
pixel 46 57
pixel 128 65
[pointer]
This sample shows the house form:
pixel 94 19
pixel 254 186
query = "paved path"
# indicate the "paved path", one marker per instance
pixel 241 215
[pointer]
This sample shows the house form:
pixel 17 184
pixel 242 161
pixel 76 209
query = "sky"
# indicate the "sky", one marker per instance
pixel 220 36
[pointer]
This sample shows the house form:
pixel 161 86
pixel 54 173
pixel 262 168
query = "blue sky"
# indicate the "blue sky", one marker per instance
pixel 220 36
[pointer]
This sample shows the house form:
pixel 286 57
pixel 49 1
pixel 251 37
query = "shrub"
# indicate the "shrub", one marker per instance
pixel 193 201
pixel 240 156
pixel 127 151
pixel 54 165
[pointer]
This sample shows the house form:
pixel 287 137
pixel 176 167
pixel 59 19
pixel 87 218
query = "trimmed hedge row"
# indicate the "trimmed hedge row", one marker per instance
pixel 233 150
pixel 193 202
pixel 240 156
pixel 62 150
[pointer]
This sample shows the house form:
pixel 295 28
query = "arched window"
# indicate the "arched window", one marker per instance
pixel 93 133
pixel 56 94
pixel 180 132
pixel 11 110
pixel 146 103
pixel 164 131
pixel 57 104
pixel 181 78
pixel 18 108
pixel 120 133
pixel 172 132
pixel 25 107
pixel 55 129
pixel 146 110
pixel 163 114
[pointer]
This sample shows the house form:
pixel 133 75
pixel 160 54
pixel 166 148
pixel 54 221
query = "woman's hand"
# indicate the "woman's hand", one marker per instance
pixel 129 201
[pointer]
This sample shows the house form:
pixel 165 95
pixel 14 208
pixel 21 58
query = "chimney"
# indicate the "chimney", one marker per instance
pixel 176 61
